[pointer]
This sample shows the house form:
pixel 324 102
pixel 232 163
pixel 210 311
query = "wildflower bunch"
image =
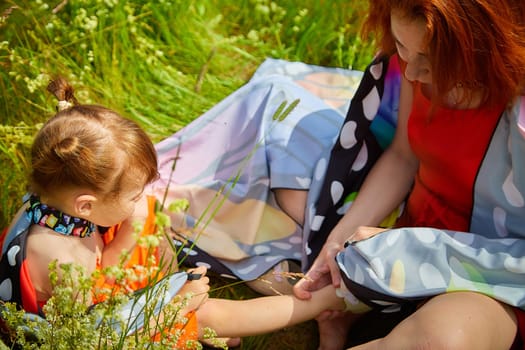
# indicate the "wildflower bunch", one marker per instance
pixel 122 318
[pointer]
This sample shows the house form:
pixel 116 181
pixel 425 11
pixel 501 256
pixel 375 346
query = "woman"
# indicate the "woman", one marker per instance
pixel 463 70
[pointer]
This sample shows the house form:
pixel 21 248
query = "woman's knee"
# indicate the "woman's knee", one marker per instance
pixel 462 320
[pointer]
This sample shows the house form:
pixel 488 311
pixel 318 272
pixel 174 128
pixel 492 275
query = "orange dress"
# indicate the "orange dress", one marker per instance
pixel 140 257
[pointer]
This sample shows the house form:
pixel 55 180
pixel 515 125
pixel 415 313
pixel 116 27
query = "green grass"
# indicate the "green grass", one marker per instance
pixel 161 63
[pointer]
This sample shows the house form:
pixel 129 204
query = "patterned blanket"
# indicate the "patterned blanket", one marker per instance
pixel 230 158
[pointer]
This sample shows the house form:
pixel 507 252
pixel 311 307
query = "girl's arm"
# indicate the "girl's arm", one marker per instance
pixel 239 318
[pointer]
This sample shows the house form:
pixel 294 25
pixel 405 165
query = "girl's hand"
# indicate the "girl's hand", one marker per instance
pixel 196 290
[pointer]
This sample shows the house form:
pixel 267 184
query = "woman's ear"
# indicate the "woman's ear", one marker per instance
pixel 84 205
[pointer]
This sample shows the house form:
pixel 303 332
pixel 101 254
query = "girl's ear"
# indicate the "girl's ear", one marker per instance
pixel 84 205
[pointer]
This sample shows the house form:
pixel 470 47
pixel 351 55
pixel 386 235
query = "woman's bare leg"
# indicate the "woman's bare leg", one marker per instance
pixel 460 320
pixel 333 329
pixel 292 202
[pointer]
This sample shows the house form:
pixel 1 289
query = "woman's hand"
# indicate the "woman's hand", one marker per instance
pixel 323 271
pixel 364 232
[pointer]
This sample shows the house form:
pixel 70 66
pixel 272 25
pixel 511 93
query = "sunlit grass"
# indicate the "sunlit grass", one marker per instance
pixel 161 63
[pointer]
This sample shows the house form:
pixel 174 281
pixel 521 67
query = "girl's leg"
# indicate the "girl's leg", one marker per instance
pixel 239 318
pixel 460 320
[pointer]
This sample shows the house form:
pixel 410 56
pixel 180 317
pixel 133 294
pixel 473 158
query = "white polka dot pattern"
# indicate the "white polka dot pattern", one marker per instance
pixel 336 191
pixel 377 70
pixel 11 255
pixel 499 217
pixel 371 104
pixel 513 196
pixel 6 289
pixel 347 138
pixel 362 159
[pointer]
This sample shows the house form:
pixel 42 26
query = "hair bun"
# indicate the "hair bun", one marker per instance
pixel 67 148
pixel 64 93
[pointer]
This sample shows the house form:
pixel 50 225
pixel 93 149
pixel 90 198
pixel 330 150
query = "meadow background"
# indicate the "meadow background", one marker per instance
pixel 162 63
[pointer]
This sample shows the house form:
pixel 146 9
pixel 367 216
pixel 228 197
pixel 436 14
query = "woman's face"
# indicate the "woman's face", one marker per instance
pixel 409 36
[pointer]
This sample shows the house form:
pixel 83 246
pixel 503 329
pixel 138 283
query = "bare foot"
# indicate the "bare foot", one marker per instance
pixel 333 329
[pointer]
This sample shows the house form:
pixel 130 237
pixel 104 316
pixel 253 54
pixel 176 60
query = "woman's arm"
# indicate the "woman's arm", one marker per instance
pixel 388 182
pixel 385 187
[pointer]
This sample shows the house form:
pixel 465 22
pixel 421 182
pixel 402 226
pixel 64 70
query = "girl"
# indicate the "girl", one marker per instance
pixel 90 167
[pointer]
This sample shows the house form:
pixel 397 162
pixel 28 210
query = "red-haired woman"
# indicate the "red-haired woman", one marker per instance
pixel 459 133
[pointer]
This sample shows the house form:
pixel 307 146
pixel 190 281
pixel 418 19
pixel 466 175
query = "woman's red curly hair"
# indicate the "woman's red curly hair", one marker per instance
pixel 477 43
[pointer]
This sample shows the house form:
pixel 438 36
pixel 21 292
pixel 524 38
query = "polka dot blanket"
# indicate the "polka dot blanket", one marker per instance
pixel 403 265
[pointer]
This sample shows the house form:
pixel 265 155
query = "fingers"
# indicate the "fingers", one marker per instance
pixel 334 273
pixel 198 282
pixel 304 286
pixel 198 270
pixel 317 277
pixel 324 271
pixel 301 289
pixel 333 268
pixel 332 249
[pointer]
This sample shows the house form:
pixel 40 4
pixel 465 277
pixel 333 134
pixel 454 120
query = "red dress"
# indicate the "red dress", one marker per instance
pixel 450 145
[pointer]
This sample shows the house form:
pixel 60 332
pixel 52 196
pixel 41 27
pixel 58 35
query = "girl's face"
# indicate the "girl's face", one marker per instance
pixel 112 210
pixel 409 36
